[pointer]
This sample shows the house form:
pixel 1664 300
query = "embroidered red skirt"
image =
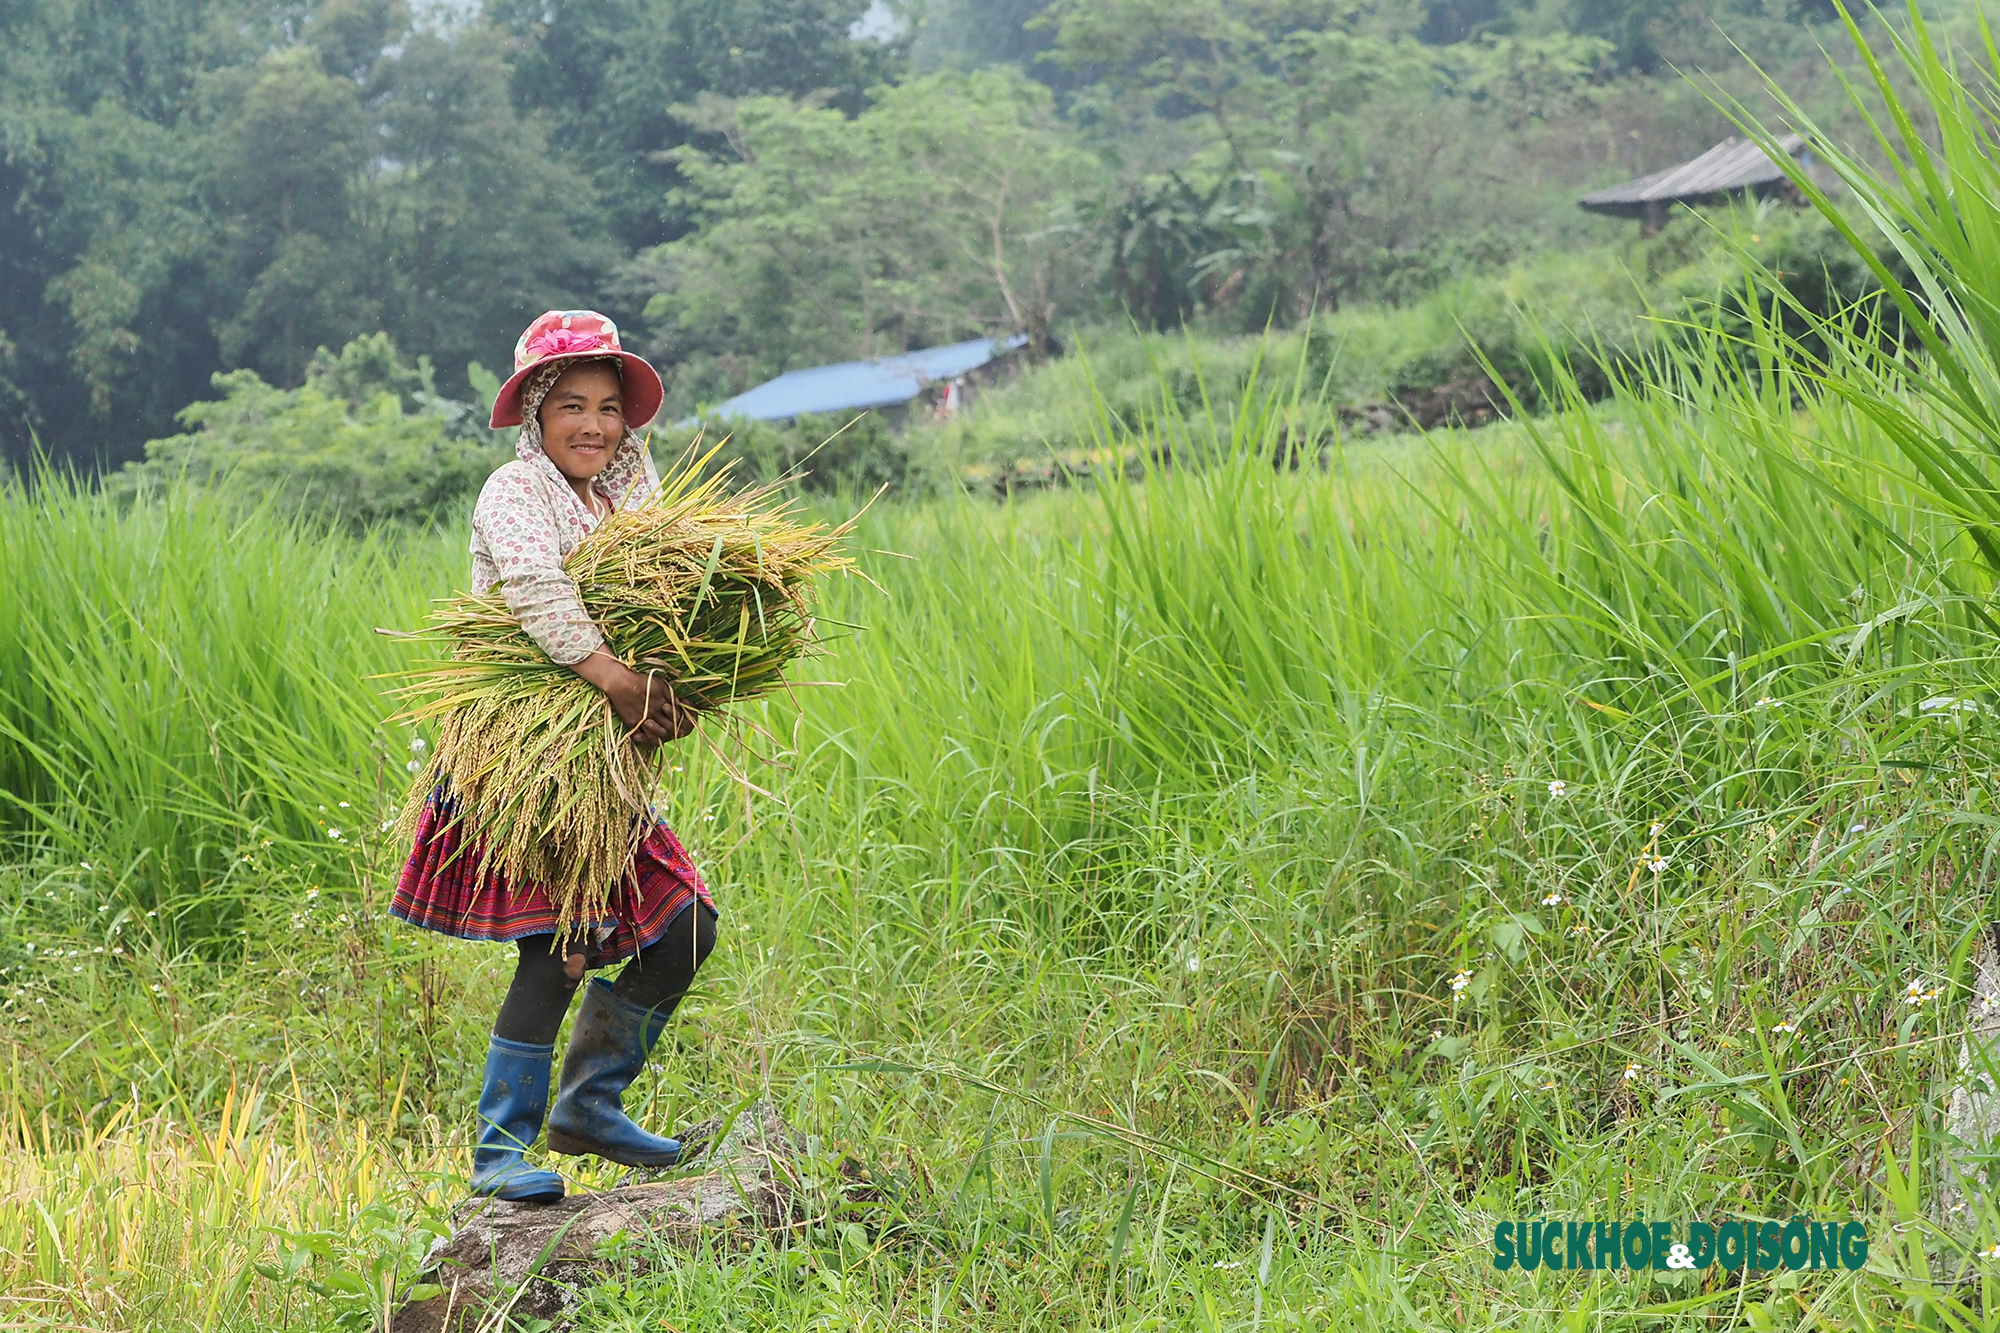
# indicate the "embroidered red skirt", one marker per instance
pixel 445 889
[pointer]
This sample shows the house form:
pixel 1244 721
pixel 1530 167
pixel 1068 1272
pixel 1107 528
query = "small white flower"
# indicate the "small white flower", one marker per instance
pixel 156 988
pixel 343 805
pixel 414 765
pixel 1861 827
pixel 1655 830
pixel 1553 900
pixel 1458 985
pixel 1991 1253
pixel 84 864
pixel 1918 995
pixel 1229 1263
pixel 98 949
pixel 311 894
pixel 152 914
pixel 1784 1027
pixel 1194 962
pixel 1579 929
pixel 418 745
pixel 1549 1086
pixel 118 948
pixel 1558 789
pixel 333 833
pixel 1766 701
pixel 1656 864
pixel 387 824
pixel 1631 1072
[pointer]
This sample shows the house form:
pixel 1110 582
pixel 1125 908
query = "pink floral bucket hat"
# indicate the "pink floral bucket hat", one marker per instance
pixel 568 335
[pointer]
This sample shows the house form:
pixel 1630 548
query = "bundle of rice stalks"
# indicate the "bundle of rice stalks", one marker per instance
pixel 711 590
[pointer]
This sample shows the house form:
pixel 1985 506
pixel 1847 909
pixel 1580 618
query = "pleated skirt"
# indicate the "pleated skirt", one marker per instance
pixel 445 886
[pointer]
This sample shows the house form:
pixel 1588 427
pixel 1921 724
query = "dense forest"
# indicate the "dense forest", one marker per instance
pixel 203 186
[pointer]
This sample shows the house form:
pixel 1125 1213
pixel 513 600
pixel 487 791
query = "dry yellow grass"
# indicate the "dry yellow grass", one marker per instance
pixel 152 1224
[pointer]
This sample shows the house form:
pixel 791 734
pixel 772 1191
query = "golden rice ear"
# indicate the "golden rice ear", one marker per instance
pixel 712 589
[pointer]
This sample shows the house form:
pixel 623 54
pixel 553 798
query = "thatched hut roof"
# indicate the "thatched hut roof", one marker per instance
pixel 1733 167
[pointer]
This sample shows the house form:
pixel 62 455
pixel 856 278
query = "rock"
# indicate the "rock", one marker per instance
pixel 748 1181
pixel 1972 1122
pixel 1470 402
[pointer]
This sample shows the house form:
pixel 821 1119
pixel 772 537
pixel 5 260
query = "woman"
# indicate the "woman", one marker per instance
pixel 576 396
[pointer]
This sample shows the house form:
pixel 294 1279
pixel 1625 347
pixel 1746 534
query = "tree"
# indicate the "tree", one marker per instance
pixel 1320 158
pixel 943 211
pixel 364 440
pixel 477 216
pixel 103 277
pixel 288 156
pixel 195 184
pixel 608 73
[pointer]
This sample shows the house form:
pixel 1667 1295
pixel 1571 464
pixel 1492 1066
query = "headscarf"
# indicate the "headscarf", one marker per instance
pixel 628 460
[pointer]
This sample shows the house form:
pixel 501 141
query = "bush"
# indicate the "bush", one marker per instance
pixel 829 452
pixel 365 440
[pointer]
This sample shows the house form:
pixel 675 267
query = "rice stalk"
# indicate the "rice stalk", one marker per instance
pixel 712 591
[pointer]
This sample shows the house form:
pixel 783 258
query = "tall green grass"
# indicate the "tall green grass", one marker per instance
pixel 1211 902
pixel 184 684
pixel 1176 806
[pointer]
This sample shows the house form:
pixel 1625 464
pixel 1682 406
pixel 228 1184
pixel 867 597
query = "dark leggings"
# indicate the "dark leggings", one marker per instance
pixel 656 978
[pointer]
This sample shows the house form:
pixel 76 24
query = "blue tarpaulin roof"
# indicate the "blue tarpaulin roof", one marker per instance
pixel 857 385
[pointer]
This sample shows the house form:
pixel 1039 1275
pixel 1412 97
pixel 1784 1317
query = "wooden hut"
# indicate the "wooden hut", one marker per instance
pixel 1732 169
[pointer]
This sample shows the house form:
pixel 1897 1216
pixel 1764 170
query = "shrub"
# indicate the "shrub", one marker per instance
pixel 826 452
pixel 365 440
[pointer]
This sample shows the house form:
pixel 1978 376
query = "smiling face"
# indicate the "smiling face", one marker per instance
pixel 583 419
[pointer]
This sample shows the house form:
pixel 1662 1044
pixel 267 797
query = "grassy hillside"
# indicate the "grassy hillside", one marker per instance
pixel 1609 305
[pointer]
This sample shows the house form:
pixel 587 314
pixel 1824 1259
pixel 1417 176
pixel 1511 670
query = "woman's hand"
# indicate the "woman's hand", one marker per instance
pixel 643 702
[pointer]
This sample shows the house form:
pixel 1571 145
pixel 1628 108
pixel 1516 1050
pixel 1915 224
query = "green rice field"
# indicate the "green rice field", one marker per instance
pixel 1209 903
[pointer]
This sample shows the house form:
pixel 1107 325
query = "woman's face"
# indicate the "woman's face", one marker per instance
pixel 583 419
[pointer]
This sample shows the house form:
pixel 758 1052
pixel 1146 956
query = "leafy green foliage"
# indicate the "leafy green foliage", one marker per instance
pixel 1935 275
pixel 196 186
pixel 1326 159
pixel 855 453
pixel 610 76
pixel 938 213
pixel 236 197
pixel 346 444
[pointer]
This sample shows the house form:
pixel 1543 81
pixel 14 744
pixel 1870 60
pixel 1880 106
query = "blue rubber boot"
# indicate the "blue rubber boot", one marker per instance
pixel 512 1102
pixel 608 1046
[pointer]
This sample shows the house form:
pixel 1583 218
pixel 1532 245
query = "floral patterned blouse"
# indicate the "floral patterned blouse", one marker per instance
pixel 528 520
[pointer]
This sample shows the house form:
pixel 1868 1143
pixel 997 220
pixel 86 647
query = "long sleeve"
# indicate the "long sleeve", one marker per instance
pixel 518 539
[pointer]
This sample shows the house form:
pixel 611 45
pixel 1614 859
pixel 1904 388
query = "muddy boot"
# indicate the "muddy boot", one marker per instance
pixel 608 1046
pixel 511 1105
